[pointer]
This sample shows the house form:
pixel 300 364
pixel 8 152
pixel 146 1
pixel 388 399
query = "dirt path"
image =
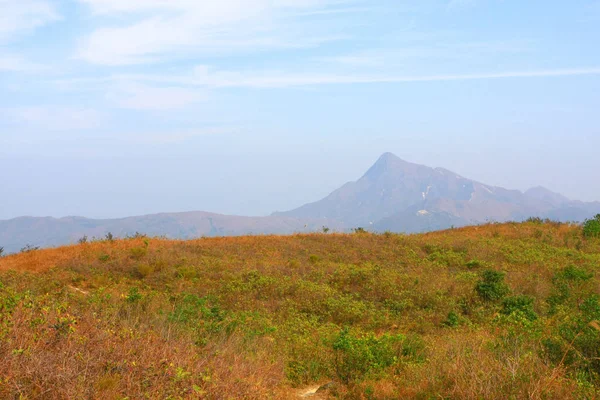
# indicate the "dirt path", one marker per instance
pixel 315 391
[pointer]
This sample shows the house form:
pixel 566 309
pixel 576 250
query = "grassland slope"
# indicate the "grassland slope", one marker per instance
pixel 487 312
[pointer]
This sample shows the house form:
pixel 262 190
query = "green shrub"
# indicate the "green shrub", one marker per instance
pixel 519 304
pixel 474 264
pixel 554 351
pixel 356 357
pixel 191 309
pixel 491 287
pixel 452 320
pixel 566 281
pixel 573 274
pixel 534 220
pixel 133 296
pixel 591 227
pixel 576 341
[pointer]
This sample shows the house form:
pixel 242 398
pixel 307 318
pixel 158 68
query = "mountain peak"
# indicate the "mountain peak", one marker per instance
pixel 397 191
pixel 388 157
pixel 387 162
pixel 389 166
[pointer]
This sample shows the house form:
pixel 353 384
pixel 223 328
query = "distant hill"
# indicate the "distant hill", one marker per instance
pixel 393 195
pixel 46 232
pixel 397 195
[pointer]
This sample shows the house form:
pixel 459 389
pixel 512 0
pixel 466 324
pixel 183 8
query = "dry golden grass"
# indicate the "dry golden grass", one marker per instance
pixel 260 317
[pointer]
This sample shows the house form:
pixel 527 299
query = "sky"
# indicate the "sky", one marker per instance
pixel 112 108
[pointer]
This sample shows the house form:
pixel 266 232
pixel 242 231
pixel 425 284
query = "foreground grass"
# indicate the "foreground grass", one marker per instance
pixel 383 316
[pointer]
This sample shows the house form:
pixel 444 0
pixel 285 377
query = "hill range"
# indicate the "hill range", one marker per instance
pixel 393 195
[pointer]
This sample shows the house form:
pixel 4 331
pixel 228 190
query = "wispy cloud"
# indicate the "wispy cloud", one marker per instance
pixel 206 77
pixel 193 87
pixel 21 16
pixel 185 28
pixel 441 51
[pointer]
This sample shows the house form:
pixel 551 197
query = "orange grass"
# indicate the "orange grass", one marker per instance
pixel 256 317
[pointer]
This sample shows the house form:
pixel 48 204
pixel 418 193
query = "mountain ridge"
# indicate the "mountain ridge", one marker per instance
pixel 392 195
pixel 394 188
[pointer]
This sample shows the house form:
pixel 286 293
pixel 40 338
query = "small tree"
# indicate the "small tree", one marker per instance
pixel 325 229
pixel 109 237
pixel 1 251
pixel 591 227
pixel 29 248
pixel 491 287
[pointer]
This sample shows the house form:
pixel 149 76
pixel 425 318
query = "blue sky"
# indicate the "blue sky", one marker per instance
pixel 111 108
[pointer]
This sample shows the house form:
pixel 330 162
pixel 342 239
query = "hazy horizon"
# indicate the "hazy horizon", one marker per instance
pixel 112 109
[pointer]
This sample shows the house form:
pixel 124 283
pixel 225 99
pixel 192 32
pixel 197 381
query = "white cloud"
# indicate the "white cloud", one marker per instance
pixel 53 118
pixel 189 27
pixel 211 10
pixel 204 76
pixel 143 97
pixel 20 16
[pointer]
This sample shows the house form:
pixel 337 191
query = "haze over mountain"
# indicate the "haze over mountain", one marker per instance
pixel 393 195
pixel 18 232
pixel 401 196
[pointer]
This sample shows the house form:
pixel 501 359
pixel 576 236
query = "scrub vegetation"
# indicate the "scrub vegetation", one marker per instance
pixel 505 311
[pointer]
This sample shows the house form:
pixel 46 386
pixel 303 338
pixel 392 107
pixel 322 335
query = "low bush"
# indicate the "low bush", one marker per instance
pixel 491 287
pixel 452 320
pixel 29 248
pixel 358 356
pixel 591 227
pixel 519 304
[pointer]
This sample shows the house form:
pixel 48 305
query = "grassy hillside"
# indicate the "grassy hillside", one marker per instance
pixel 496 311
